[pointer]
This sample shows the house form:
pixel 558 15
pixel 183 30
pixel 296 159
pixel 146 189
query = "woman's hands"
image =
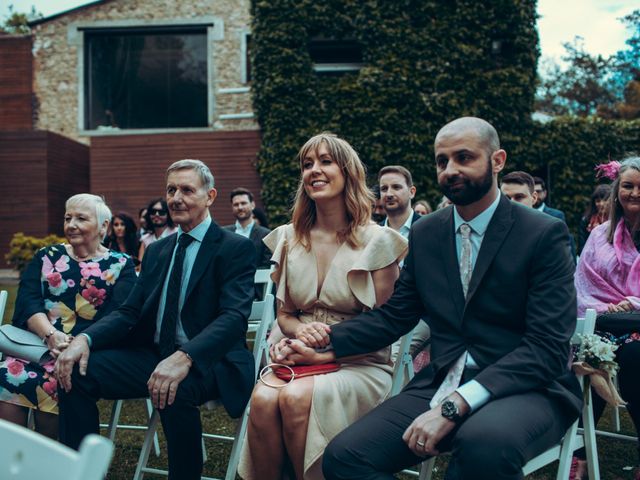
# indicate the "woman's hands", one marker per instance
pixel 314 334
pixel 623 306
pixel 57 342
pixel 295 352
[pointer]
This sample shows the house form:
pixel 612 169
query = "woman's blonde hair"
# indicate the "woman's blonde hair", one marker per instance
pixel 615 209
pixel 357 196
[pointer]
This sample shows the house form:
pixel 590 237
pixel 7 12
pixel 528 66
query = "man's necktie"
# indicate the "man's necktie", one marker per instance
pixel 454 375
pixel 170 315
pixel 465 257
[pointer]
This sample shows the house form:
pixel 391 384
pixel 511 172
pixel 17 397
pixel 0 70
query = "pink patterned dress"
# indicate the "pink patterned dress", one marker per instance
pixel 73 295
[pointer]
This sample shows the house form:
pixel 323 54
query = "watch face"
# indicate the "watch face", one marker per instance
pixel 449 410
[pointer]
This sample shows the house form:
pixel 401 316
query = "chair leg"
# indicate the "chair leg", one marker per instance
pixel 113 421
pixel 590 436
pixel 566 452
pixel 152 428
pixel 156 443
pixel 426 469
pixel 234 458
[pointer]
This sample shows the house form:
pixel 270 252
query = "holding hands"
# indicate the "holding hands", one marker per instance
pixel 294 352
pixel 76 352
pixel 57 342
pixel 314 334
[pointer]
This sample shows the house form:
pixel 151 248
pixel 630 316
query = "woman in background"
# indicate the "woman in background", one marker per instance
pixel 124 237
pixel 422 207
pixel 596 213
pixel 608 280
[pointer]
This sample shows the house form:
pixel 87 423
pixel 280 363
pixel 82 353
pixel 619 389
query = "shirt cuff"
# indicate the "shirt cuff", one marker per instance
pixel 474 394
pixel 89 341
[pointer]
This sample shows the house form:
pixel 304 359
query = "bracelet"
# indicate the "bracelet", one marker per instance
pixel 46 337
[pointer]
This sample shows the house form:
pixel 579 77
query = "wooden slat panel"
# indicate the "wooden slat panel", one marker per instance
pixel 23 183
pixel 38 172
pixel 16 89
pixel 129 170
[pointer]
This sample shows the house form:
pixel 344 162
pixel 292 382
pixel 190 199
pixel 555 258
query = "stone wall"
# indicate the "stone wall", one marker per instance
pixel 55 58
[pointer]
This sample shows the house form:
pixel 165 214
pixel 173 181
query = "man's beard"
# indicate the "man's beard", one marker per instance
pixel 472 190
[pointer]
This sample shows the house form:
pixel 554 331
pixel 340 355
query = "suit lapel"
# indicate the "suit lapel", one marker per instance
pixel 209 246
pixel 164 256
pixel 497 231
pixel 450 257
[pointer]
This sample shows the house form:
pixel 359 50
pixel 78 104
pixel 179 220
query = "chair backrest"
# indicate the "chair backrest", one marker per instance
pixel 263 277
pixel 585 325
pixel 26 454
pixel 262 312
pixel 403 367
pixel 3 303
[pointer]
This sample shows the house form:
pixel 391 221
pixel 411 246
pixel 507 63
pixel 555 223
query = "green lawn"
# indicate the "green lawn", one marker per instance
pixel 614 455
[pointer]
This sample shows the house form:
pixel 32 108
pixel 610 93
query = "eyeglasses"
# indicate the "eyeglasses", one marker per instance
pixel 161 212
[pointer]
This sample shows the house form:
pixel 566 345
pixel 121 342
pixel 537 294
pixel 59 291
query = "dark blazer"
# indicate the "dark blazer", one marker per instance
pixel 258 232
pixel 516 322
pixel 214 315
pixel 414 218
pixel 560 214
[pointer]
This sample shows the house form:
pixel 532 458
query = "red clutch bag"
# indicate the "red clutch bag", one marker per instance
pixel 289 374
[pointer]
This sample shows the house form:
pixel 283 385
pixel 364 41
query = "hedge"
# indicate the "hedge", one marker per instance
pixel 426 63
pixel 22 249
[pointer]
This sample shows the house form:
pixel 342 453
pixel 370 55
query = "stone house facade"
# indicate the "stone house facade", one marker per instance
pixel 61 57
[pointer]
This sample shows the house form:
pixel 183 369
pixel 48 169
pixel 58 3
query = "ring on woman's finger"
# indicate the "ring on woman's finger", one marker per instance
pixel 420 444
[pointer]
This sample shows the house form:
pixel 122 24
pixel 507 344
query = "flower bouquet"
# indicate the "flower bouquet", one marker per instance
pixel 595 357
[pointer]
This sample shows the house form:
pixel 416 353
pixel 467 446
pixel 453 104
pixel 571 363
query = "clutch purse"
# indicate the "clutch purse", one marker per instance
pixel 23 344
pixel 289 374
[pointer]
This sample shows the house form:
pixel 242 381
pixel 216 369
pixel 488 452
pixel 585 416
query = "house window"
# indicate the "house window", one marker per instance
pixel 335 56
pixel 154 77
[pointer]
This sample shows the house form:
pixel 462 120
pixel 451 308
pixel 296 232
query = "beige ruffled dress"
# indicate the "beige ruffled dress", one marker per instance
pixel 362 383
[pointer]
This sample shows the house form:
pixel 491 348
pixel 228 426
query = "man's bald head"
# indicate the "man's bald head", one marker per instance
pixel 485 132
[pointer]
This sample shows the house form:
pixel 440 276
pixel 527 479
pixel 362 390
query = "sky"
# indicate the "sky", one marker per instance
pixel 560 21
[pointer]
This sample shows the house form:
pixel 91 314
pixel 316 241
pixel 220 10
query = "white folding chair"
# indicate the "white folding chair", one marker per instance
pixel 573 439
pixel 615 420
pixel 3 303
pixel 263 277
pixel 262 311
pixel 26 454
pixel 403 366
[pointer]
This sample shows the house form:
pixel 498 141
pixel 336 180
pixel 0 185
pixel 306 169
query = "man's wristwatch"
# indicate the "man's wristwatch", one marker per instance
pixel 450 411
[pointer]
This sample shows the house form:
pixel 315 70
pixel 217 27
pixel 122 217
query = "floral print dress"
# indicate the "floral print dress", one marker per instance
pixel 73 295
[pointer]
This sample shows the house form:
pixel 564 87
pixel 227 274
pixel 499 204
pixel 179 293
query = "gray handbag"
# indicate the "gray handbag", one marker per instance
pixel 23 344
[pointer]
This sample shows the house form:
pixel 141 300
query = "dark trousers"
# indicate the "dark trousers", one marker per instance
pixel 122 374
pixel 493 443
pixel 628 358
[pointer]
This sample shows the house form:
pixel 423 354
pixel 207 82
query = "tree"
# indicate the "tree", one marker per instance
pixel 581 88
pixel 18 23
pixel 592 85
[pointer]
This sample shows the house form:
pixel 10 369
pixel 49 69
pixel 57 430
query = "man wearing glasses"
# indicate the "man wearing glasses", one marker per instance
pixel 159 223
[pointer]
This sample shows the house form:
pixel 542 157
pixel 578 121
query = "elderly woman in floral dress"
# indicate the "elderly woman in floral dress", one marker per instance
pixel 65 288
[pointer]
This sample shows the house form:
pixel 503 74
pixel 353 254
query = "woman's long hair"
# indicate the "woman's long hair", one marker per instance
pixel 601 192
pixel 615 209
pixel 357 196
pixel 130 238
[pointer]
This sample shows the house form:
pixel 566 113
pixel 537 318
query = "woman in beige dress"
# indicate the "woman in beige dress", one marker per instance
pixel 332 263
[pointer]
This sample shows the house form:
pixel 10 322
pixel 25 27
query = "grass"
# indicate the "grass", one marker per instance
pixel 613 454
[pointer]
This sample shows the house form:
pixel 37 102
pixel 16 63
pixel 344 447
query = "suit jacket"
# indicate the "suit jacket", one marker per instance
pixel 258 232
pixel 517 319
pixel 214 315
pixel 415 217
pixel 560 214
